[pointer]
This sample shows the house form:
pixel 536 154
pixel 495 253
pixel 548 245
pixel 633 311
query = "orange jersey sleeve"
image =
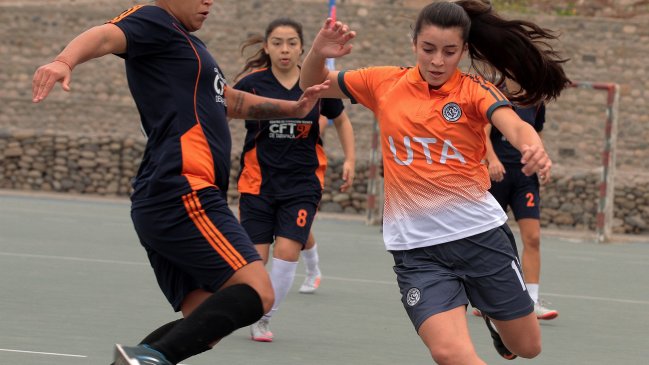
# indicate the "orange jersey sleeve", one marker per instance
pixel 486 97
pixel 365 85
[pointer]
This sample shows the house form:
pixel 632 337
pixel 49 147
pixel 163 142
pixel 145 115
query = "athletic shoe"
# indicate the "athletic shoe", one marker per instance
pixel 310 284
pixel 544 313
pixel 476 312
pixel 260 331
pixel 498 342
pixel 138 355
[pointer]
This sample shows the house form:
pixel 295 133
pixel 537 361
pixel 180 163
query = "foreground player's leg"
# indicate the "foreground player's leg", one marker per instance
pixel 209 318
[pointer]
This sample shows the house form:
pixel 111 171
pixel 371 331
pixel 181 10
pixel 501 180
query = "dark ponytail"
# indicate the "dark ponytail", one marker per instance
pixel 260 59
pixel 500 48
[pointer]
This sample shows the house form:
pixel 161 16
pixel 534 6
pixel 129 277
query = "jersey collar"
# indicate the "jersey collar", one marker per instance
pixel 414 77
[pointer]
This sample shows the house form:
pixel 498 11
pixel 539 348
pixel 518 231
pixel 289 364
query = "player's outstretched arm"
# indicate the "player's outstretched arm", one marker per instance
pixel 523 136
pixel 243 105
pixel 332 41
pixel 93 43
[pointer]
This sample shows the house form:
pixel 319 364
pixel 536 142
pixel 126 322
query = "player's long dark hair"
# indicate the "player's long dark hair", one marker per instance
pixel 260 59
pixel 500 48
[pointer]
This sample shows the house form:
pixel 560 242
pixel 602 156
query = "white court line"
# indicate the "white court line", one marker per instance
pixel 584 297
pixel 68 258
pixel 577 258
pixel 42 353
pixel 334 278
pixel 49 354
pixel 601 299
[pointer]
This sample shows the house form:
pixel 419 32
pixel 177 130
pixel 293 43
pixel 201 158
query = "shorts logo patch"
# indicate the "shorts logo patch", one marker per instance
pixel 452 112
pixel 413 296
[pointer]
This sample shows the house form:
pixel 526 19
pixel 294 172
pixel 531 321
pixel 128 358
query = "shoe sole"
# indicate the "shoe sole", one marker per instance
pixel 121 358
pixel 548 316
pixel 261 339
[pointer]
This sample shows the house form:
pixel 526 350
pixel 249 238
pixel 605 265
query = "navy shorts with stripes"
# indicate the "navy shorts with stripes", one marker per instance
pixel 266 218
pixel 482 270
pixel 193 242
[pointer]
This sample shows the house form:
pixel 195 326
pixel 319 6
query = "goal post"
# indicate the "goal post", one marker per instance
pixel 605 211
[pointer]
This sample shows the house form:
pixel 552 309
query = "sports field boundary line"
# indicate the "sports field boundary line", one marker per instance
pixel 42 353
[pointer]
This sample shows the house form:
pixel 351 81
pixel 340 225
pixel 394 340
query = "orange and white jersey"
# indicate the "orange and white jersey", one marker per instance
pixel 433 141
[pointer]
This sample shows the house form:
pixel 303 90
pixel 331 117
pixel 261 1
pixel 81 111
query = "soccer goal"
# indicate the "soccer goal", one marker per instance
pixel 605 209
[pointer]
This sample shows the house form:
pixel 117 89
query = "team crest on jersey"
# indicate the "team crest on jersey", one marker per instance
pixel 452 112
pixel 219 86
pixel 413 296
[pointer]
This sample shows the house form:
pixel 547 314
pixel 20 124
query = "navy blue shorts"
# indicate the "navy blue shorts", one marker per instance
pixel 482 270
pixel 265 218
pixel 518 191
pixel 193 242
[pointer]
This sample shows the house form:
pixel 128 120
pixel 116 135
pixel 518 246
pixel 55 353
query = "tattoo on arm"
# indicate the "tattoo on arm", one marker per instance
pixel 264 111
pixel 238 104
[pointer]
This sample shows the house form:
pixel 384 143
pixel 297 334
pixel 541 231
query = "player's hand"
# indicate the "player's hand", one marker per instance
pixel 47 76
pixel 332 39
pixel 544 175
pixel 535 160
pixel 348 176
pixel 496 171
pixel 309 98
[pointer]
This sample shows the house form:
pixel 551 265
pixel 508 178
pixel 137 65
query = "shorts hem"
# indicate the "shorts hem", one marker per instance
pixel 433 311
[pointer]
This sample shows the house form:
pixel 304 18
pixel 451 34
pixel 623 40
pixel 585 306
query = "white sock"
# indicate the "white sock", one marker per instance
pixel 311 260
pixel 533 289
pixel 281 276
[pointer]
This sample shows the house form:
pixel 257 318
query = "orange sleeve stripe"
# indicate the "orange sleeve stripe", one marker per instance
pixel 126 13
pixel 211 233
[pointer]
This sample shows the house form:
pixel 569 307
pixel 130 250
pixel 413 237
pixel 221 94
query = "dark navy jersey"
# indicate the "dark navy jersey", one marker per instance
pixel 179 92
pixel 508 154
pixel 283 158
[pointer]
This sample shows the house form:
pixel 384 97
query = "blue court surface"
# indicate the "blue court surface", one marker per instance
pixel 74 281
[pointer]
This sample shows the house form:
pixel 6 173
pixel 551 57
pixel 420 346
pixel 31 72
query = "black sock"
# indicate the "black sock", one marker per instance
pixel 160 332
pixel 218 316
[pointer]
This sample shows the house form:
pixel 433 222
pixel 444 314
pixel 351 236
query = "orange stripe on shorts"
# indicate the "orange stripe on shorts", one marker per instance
pixel 211 233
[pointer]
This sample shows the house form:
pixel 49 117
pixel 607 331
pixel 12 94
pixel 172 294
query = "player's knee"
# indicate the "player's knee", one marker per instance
pixel 530 350
pixel 452 354
pixel 532 240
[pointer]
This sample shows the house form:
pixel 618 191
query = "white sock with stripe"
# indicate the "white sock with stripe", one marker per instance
pixel 311 260
pixel 281 276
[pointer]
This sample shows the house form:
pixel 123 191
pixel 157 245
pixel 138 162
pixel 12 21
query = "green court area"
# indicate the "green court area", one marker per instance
pixel 74 281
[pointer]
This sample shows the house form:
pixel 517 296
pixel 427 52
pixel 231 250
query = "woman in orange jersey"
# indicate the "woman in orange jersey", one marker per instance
pixel 283 164
pixel 447 234
pixel 203 259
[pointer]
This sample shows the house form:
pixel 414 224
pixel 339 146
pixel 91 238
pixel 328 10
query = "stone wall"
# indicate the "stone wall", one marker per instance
pixel 59 138
pixel 104 164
